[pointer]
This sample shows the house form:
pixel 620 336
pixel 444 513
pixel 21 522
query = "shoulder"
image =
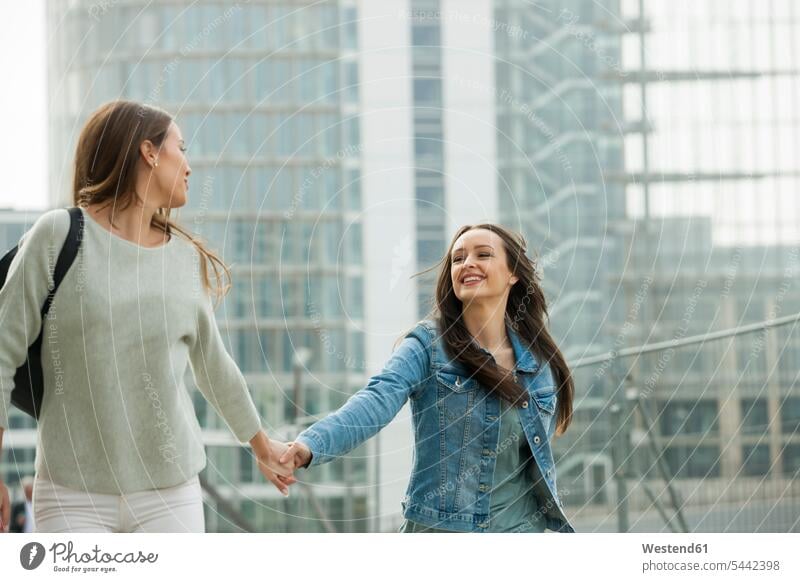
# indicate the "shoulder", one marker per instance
pixel 50 228
pixel 424 330
pixel 186 253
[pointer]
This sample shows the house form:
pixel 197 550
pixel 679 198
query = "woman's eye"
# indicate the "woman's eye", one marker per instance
pixel 457 259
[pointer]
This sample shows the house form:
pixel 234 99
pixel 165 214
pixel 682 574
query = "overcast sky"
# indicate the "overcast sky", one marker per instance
pixel 23 107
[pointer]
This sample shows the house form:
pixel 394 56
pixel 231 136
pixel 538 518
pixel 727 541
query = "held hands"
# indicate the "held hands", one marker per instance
pixel 268 452
pixel 277 461
pixel 297 455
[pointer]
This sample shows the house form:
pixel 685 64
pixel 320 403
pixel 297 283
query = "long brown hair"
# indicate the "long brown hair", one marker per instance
pixel 526 313
pixel 105 172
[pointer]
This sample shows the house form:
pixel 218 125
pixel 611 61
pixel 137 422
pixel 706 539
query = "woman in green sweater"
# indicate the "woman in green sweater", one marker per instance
pixel 119 445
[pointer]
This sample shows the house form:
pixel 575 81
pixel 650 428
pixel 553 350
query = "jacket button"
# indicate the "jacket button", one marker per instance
pixel 487 453
pixel 483 525
pixel 525 404
pixel 536 440
pixel 483 487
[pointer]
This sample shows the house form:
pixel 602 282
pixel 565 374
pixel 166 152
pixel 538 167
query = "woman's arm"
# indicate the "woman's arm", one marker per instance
pixel 367 411
pixel 21 299
pixel 222 384
pixel 218 377
pixel 22 296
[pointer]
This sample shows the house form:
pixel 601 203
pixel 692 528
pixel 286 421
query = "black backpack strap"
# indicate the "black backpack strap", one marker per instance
pixel 5 264
pixel 67 255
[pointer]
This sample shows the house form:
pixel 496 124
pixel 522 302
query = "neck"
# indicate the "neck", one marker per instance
pixel 486 323
pixel 133 223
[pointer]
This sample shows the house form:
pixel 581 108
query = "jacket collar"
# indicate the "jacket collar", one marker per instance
pixel 526 362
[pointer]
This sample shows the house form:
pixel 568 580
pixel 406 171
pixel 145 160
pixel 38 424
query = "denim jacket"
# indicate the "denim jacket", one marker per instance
pixel 456 431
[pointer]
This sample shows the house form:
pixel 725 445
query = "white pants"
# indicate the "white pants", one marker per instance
pixel 58 509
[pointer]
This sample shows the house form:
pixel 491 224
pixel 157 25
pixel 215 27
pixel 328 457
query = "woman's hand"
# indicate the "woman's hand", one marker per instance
pixel 298 455
pixel 267 454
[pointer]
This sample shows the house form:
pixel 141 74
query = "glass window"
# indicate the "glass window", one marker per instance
pixel 312 295
pixel 353 244
pixel 258 18
pixel 791 460
pixel 267 248
pixel 350 28
pixel 689 418
pixel 427 90
pixel 330 132
pixel 356 361
pixel 269 348
pixel 268 300
pixel 425 35
pixel 693 462
pixel 355 297
pixel 333 299
pixel 307 73
pixel 351 81
pixel 282 82
pixel 330 87
pixel 754 415
pixel 264 81
pixel 286 138
pixel 235 135
pixel 329 24
pixel 246 464
pixel 215 71
pixel 331 234
pixel 790 415
pixel 304 126
pixel 308 186
pixel 236 80
pixel 352 133
pixel 331 188
pixel 334 350
pixel 288 246
pixel 306 243
pixel 756 459
pixel 280 192
pixel 353 189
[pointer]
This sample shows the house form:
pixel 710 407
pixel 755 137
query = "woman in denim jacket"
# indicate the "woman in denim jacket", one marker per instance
pixel 488 389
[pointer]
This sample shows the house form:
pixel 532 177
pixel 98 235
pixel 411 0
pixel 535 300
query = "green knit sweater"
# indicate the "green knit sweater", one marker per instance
pixel 125 323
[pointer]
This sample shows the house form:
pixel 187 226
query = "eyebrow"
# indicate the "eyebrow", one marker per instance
pixel 476 246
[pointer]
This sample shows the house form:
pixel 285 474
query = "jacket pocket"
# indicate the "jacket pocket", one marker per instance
pixel 456 381
pixel 545 398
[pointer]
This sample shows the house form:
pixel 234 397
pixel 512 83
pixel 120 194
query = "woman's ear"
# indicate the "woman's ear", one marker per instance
pixel 513 280
pixel 149 153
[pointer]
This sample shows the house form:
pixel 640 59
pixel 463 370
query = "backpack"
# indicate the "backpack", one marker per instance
pixel 29 379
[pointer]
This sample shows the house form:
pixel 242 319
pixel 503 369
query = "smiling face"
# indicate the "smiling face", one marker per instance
pixel 168 182
pixel 479 267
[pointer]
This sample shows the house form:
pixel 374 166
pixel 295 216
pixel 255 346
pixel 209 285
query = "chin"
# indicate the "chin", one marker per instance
pixel 177 201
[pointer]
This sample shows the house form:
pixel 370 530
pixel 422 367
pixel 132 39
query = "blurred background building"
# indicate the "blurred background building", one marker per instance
pixel 646 150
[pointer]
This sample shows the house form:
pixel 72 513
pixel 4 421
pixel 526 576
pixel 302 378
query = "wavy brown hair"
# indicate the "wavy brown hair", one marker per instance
pixel 526 313
pixel 105 173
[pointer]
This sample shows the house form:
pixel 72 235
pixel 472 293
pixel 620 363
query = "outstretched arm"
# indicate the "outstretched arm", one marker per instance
pixel 225 388
pixel 368 410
